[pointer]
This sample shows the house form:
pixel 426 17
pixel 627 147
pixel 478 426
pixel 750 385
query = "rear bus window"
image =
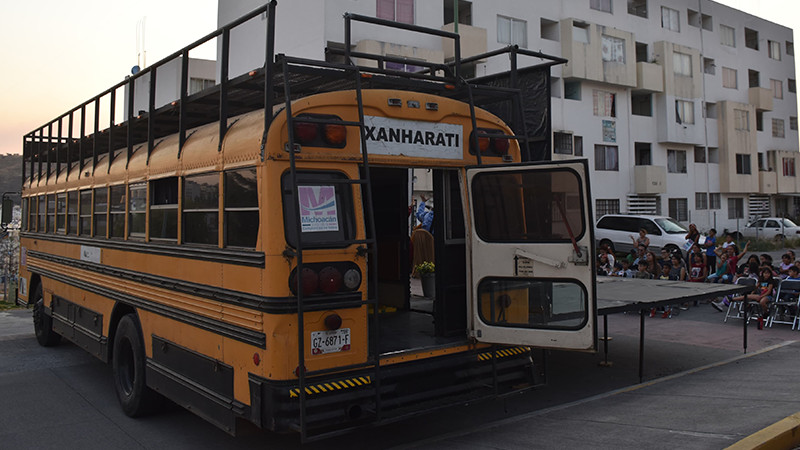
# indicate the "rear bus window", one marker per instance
pixel 201 209
pixel 528 206
pixel 241 208
pixel 532 303
pixel 326 210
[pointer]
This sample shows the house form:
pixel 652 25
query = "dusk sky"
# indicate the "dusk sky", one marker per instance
pixel 57 54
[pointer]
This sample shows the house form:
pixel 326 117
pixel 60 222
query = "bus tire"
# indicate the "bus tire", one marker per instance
pixel 42 323
pixel 128 366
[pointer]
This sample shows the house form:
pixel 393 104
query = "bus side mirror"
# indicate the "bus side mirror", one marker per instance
pixel 8 211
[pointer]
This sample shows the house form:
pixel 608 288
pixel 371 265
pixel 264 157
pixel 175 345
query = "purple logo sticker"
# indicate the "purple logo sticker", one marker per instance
pixel 318 208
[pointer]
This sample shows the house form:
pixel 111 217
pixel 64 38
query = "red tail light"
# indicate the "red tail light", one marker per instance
pixel 309 281
pixel 335 134
pixel 491 143
pixel 483 141
pixel 500 145
pixel 305 133
pixel 330 280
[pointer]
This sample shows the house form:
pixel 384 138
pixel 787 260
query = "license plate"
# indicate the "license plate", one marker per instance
pixel 330 341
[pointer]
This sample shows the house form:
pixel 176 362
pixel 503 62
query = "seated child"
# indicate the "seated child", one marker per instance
pixel 643 273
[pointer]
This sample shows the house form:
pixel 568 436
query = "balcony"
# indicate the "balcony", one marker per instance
pixel 760 98
pixel 649 77
pixel 473 41
pixel 650 179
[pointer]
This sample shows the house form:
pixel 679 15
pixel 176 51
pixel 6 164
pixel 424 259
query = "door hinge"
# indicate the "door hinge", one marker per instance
pixel 579 260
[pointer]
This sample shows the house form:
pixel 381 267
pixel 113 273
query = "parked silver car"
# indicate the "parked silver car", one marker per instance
pixel 771 228
pixel 615 230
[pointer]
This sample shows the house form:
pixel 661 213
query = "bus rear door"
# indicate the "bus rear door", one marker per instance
pixel 532 278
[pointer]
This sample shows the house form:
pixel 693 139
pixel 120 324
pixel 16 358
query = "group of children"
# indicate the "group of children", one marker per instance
pixel 709 263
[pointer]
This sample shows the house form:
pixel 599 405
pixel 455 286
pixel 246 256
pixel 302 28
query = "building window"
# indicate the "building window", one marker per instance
pixel 679 209
pixel 670 19
pixel 699 154
pixel 572 90
pixel 578 145
pixel 604 103
pixel 606 157
pixel 793 123
pixel 711 110
pixel 642 104
pixel 760 120
pixel 199 84
pixel 512 31
pixel 676 161
pixel 555 87
pixel 464 12
pixel 600 5
pixel 753 78
pixel 741 119
pixel 397 10
pixel 751 38
pixel 774 50
pixel 791 85
pixel 137 210
pixel 727 35
pixel 548 29
pixel 778 130
pixel 201 209
pixel 700 200
pixel 790 48
pixel 729 78
pixel 606 206
pixel 637 8
pixel 682 64
pixel 684 111
pixel 709 67
pixel 580 32
pixel 735 208
pixel 613 49
pixel 562 143
pixel 743 164
pixel 777 88
pixel 788 167
pixel 643 153
pixel 641 52
pixel 714 201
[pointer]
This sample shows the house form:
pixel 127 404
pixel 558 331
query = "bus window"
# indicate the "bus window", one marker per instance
pixel 201 209
pixel 72 212
pixel 25 213
pixel 137 210
pixel 61 212
pixel 51 213
pixel 528 303
pixel 326 211
pixel 100 212
pixel 41 220
pixel 164 208
pixel 85 212
pixel 535 206
pixel 116 216
pixel 241 208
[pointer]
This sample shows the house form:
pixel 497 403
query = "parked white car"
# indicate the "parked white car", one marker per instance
pixel 615 230
pixel 771 228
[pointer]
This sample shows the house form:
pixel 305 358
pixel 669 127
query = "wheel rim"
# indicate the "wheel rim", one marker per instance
pixel 125 367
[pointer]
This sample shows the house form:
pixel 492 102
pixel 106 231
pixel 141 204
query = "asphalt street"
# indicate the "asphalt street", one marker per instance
pixel 700 391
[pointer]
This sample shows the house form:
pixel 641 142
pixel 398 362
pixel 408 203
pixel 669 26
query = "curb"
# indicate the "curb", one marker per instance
pixel 781 435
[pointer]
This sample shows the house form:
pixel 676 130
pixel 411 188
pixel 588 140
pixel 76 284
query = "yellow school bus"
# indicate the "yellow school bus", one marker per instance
pixel 244 250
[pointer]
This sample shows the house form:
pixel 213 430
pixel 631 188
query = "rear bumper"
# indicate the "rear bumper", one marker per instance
pixel 349 399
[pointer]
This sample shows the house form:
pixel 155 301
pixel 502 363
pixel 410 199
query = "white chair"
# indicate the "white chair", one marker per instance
pixel 736 308
pixel 786 305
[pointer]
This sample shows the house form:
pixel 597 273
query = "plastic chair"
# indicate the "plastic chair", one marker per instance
pixel 738 306
pixel 786 305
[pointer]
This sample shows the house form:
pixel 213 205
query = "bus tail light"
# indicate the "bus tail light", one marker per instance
pixel 500 146
pixel 489 145
pixel 326 278
pixel 333 321
pixel 335 134
pixel 305 133
pixel 330 280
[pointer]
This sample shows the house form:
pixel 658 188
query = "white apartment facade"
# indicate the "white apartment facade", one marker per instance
pixel 685 108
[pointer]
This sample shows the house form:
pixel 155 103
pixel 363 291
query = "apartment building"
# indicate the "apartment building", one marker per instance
pixel 683 107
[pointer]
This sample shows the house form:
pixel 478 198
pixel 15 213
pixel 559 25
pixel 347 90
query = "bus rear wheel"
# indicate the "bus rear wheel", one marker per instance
pixel 42 323
pixel 128 366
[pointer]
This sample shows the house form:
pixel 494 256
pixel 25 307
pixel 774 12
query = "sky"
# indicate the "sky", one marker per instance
pixel 56 54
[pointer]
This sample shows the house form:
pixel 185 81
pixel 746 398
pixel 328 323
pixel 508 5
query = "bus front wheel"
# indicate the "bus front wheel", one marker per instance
pixel 42 323
pixel 128 364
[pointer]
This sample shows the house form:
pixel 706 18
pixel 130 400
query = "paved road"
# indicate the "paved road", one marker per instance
pixel 62 397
